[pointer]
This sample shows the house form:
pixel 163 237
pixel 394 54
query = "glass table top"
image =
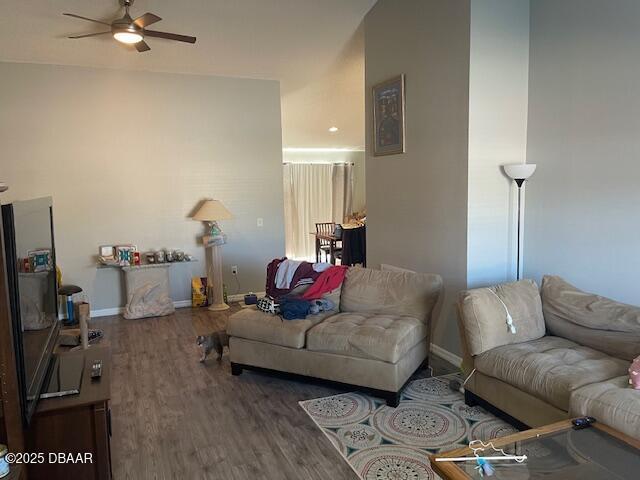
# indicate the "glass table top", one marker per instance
pixel 588 454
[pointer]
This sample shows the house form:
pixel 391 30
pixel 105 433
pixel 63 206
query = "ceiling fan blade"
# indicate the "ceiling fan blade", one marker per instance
pixel 146 19
pixel 85 18
pixel 170 36
pixel 90 35
pixel 142 46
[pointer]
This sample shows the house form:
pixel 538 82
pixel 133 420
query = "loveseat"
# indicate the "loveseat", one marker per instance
pixel 376 337
pixel 569 357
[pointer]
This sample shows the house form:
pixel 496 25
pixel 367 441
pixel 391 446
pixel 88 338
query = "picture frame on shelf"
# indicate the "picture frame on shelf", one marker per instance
pixel 106 252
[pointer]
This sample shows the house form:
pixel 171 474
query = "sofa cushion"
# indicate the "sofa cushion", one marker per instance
pixel 591 320
pixel 549 368
pixel 484 318
pixel 611 402
pixel 385 337
pixel 366 290
pixel 252 324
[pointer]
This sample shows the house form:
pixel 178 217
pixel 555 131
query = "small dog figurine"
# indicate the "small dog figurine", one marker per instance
pixel 214 341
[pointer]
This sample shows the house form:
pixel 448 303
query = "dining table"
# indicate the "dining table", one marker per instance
pixel 331 239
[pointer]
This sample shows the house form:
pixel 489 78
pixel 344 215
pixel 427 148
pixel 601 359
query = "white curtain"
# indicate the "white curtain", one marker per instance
pixel 314 193
pixel 342 191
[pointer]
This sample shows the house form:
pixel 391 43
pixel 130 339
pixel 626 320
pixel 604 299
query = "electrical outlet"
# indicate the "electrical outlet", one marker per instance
pixel 234 269
pixel 260 222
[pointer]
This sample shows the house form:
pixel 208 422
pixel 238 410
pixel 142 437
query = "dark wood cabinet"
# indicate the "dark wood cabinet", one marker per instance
pixel 77 424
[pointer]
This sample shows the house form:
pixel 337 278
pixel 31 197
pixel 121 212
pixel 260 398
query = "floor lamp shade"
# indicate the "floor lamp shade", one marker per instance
pixel 519 172
pixel 211 211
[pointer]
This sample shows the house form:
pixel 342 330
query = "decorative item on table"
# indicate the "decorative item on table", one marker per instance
pixel 136 258
pixel 484 468
pixel 250 299
pixel 215 237
pixel 107 255
pixel 150 257
pixel 357 219
pixel 40 260
pixel 388 116
pixel 124 254
pixel 210 211
pixel 178 256
pixel 199 292
pixel 169 255
pixel 160 256
pixel 188 257
pixel 25 265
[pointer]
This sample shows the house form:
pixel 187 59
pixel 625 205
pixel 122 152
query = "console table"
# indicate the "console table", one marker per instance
pixel 76 424
pixel 147 286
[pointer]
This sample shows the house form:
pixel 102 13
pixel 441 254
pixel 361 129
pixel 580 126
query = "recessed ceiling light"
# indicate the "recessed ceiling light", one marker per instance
pixel 333 129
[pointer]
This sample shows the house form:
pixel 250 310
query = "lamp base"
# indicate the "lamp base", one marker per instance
pixel 219 307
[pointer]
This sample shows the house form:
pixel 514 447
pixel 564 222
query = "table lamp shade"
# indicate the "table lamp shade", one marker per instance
pixel 211 211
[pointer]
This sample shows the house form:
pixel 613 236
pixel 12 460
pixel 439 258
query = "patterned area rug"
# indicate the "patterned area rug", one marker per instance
pixel 384 443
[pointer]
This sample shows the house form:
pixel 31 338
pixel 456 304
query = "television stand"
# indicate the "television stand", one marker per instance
pixel 75 424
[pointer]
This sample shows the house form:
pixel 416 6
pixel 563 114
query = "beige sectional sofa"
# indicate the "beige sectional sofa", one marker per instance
pixel 377 336
pixel 569 357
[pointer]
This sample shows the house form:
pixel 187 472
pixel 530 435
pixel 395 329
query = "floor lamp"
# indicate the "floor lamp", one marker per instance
pixel 519 172
pixel 210 212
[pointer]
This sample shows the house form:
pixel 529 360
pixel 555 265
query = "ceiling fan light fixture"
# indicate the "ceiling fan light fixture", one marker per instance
pixel 128 37
pixel 132 31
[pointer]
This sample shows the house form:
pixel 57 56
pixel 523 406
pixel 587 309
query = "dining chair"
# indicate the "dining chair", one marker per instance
pixel 326 228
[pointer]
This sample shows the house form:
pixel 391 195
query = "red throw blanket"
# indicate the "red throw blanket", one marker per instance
pixel 328 280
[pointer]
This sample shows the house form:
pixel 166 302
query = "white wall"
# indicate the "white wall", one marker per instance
pixel 126 157
pixel 583 202
pixel 417 201
pixel 498 97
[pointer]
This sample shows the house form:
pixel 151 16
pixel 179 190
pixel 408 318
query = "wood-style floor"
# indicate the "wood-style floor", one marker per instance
pixel 175 418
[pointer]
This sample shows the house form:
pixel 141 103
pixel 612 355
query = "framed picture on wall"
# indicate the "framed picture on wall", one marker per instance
pixel 388 117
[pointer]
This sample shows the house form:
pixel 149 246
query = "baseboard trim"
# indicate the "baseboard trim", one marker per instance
pixel 107 312
pixel 182 304
pixel 452 358
pixel 240 296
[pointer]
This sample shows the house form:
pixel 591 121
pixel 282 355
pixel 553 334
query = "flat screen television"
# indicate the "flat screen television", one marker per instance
pixel 32 280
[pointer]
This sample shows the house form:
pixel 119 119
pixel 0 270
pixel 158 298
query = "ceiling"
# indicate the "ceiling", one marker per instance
pixel 314 47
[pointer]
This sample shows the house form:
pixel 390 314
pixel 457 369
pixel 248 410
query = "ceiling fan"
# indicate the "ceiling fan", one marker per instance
pixel 132 31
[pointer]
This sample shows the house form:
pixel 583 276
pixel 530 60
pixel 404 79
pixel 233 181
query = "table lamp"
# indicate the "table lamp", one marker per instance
pixel 210 212
pixel 519 172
